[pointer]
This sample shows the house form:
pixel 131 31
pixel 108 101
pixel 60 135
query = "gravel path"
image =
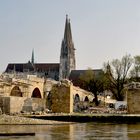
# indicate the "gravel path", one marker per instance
pixel 6 119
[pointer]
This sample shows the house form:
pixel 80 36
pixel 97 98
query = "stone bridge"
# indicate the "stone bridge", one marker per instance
pixel 21 93
pixel 27 86
pixel 82 95
pixel 64 97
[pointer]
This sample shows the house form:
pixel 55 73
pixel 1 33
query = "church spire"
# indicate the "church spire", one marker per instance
pixel 67 32
pixel 67 56
pixel 32 58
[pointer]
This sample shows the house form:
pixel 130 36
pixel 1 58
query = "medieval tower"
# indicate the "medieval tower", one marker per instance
pixel 67 55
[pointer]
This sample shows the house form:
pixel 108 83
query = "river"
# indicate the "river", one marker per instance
pixel 75 131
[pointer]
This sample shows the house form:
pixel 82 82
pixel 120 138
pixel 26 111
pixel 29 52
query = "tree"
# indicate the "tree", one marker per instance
pixel 135 72
pixel 92 83
pixel 116 74
pixel 85 79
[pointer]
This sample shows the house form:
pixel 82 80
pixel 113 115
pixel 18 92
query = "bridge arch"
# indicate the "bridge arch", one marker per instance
pixel 86 99
pixel 16 91
pixel 36 93
pixel 76 98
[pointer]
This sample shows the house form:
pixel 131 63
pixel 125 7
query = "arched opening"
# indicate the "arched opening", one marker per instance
pixel 49 101
pixel 36 93
pixel 16 92
pixel 86 99
pixel 76 98
pixel 93 100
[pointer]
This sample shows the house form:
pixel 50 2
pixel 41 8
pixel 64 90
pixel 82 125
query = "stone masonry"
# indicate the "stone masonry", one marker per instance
pixel 62 99
pixel 133 101
pixel 10 105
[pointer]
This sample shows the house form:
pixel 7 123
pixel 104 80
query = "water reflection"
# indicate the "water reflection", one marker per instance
pixel 77 131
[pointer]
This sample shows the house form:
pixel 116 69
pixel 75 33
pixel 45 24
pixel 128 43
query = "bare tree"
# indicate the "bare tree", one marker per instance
pixel 135 72
pixel 116 73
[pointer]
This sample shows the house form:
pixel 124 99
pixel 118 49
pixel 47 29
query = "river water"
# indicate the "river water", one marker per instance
pixel 75 131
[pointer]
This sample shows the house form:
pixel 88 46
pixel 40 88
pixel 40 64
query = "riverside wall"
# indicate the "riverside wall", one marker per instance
pixel 14 104
pixel 133 101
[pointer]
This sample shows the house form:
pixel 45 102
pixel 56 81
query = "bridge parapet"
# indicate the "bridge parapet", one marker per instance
pixel 82 94
pixel 34 78
pixel 133 85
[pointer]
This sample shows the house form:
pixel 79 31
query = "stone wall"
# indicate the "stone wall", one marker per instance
pixel 62 99
pixel 133 101
pixel 5 104
pixel 17 104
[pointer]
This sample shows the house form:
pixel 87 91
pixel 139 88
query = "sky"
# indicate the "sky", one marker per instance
pixel 102 30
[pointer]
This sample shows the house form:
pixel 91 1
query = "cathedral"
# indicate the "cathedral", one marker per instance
pixel 67 56
pixel 56 71
pixel 66 69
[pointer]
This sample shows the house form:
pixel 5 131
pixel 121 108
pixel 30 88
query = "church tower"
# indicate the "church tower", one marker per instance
pixel 67 56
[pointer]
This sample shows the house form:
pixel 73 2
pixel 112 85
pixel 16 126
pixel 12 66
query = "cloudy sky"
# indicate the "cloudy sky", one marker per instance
pixel 102 30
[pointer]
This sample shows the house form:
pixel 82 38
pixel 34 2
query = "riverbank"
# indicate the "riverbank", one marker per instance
pixel 21 120
pixel 77 117
pixel 55 118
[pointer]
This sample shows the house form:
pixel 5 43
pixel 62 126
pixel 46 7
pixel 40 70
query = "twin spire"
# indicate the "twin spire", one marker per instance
pixel 67 55
pixel 67 32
